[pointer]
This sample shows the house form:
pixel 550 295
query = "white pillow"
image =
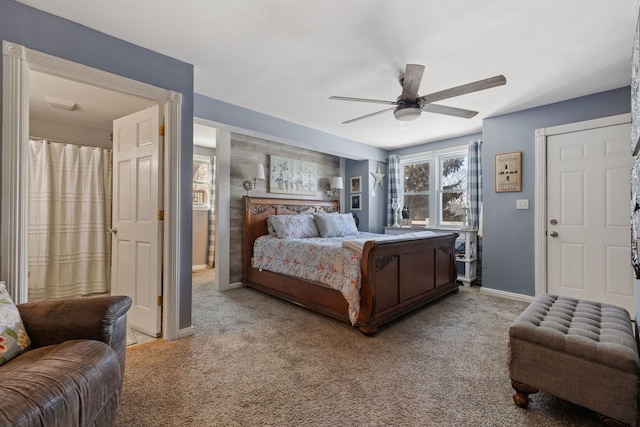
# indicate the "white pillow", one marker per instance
pixel 294 226
pixel 335 225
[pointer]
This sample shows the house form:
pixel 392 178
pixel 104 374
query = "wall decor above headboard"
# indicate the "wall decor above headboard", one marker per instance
pixel 292 176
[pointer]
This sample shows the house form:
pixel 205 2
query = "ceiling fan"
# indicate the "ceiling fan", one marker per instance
pixel 409 105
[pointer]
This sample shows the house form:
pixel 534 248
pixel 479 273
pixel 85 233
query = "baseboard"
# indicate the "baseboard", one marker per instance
pixel 235 285
pixel 186 332
pixel 199 267
pixel 508 295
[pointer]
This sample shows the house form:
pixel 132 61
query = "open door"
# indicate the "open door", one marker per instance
pixel 137 217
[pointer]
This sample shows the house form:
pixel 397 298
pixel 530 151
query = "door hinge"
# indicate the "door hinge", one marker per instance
pixel 161 215
pixel 161 130
pixel 160 301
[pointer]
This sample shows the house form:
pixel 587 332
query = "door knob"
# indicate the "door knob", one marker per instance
pixel 112 230
pixel 553 234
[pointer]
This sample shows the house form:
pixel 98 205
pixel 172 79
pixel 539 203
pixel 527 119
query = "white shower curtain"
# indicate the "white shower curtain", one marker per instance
pixel 69 211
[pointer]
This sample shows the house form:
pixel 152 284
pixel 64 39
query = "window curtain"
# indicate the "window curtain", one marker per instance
pixel 474 180
pixel 211 257
pixel 69 210
pixel 395 189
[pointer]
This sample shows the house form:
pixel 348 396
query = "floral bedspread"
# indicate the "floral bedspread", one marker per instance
pixel 322 260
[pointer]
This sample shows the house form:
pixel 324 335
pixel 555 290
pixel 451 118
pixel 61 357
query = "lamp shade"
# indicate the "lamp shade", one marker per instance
pixel 257 171
pixel 336 182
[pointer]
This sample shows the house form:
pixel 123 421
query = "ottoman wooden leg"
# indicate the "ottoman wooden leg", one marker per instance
pixel 521 398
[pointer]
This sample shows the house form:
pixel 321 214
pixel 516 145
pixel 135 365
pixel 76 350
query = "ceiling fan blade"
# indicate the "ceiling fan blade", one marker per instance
pixel 367 116
pixel 373 101
pixel 411 82
pixel 449 111
pixel 463 89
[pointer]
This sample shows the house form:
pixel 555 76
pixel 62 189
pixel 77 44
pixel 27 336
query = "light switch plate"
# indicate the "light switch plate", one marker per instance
pixel 522 204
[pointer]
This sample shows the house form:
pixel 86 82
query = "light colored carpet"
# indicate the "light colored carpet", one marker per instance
pixel 259 361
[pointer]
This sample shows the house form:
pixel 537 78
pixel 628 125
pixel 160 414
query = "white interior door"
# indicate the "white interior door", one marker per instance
pixel 137 224
pixel 588 216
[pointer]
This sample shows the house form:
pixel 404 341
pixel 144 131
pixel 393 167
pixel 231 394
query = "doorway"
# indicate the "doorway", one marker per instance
pixel 18 62
pixel 583 225
pixel 70 185
pixel 203 199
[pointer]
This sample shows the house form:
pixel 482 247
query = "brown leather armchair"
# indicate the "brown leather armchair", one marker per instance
pixel 72 374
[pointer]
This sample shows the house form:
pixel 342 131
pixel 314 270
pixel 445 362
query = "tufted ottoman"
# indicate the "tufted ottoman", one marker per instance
pixel 581 351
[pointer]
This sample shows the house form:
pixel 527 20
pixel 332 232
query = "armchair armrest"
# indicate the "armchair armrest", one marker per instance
pixel 99 318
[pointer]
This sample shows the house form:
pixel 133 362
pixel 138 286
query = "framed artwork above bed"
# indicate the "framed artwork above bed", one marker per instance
pixel 292 176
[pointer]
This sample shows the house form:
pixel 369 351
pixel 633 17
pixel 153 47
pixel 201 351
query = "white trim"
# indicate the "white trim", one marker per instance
pixel 199 267
pixel 540 225
pixel 186 332
pixel 172 231
pixel 17 62
pixel 507 295
pixel 15 114
pixel 540 213
pixel 235 285
pixel 222 203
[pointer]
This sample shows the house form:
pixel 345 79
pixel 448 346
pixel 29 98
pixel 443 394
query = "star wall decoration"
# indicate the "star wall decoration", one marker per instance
pixel 377 176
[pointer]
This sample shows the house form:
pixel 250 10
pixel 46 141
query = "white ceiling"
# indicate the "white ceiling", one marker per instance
pixel 286 57
pixel 94 107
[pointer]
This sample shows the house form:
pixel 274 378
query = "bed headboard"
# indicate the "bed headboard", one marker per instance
pixel 258 209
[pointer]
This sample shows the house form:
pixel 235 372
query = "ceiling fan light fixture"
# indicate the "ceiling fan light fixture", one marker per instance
pixel 407 113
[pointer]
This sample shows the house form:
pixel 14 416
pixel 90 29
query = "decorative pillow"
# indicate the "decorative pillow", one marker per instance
pixel 332 225
pixel 270 229
pixel 294 226
pixel 13 336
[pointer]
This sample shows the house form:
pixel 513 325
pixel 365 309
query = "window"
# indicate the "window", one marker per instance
pixel 453 189
pixel 416 180
pixel 201 180
pixel 435 187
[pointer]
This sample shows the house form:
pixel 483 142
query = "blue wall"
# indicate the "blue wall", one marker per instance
pixel 357 168
pixel 439 145
pixel 377 198
pixel 251 121
pixel 508 242
pixel 55 36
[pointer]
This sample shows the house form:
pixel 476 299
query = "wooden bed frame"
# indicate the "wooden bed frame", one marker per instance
pixel 398 276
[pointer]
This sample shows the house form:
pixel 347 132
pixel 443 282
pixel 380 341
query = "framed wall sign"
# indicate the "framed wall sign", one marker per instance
pixel 508 172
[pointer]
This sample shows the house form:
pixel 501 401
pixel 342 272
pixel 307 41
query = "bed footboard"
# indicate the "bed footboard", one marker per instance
pixel 400 276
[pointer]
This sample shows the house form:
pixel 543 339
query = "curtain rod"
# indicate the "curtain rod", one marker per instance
pixel 60 141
